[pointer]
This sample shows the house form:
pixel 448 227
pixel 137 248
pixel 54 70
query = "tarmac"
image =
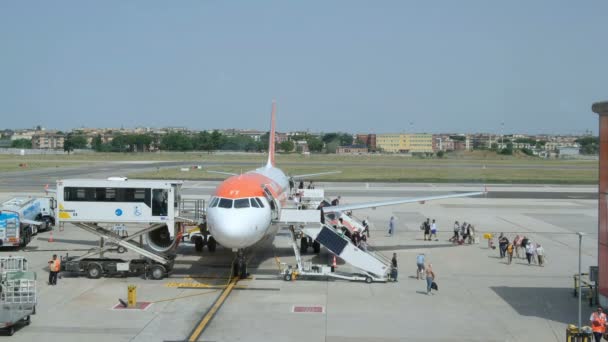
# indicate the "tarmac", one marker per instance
pixel 480 297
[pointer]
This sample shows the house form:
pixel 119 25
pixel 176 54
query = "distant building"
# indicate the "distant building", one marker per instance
pixel 25 134
pixel 353 149
pixel 568 152
pixel 368 139
pixel 48 140
pixel 405 143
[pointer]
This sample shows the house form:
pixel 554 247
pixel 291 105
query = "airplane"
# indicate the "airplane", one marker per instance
pixel 243 207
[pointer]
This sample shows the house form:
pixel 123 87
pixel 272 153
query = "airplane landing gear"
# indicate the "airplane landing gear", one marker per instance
pixel 240 265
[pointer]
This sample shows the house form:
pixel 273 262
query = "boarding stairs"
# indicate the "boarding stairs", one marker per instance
pixel 307 222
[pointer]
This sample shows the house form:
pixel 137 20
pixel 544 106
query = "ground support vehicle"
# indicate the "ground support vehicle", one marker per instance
pixel 305 224
pixel 17 293
pixel 95 268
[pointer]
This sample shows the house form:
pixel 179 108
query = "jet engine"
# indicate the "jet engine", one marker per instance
pixel 159 240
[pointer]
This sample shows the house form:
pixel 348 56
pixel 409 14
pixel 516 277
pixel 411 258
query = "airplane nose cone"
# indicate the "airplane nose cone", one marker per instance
pixel 233 230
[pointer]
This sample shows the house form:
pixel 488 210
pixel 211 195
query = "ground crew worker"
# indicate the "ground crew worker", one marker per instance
pixel 510 252
pixel 598 324
pixel 394 267
pixel 54 268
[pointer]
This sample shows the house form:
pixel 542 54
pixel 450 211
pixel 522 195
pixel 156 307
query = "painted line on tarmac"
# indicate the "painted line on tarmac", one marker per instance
pixel 200 327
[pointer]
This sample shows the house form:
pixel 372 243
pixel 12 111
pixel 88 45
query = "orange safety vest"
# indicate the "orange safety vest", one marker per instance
pixel 55 265
pixel 598 323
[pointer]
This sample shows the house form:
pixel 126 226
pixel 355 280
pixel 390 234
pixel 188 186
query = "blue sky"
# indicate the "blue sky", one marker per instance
pixel 358 66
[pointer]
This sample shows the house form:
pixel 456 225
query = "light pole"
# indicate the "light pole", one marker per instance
pixel 502 130
pixel 580 242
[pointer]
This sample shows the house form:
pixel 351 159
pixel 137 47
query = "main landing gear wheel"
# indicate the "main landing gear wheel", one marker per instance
pixel 287 277
pixel 198 243
pixel 316 246
pixel 211 244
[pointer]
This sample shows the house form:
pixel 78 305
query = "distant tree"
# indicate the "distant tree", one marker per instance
pixel 97 143
pixel 202 142
pixel 440 154
pixel 68 145
pixel 527 151
pixel 215 140
pixel 330 137
pixel 494 147
pixel 314 144
pixel 287 146
pixel 332 146
pixel 589 145
pixel 77 140
pixel 346 139
pixel 458 137
pixel 21 143
pixel 176 142
pixel 507 150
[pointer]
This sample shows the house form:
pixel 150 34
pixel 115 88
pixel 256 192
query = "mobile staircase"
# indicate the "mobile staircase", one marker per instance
pixel 304 224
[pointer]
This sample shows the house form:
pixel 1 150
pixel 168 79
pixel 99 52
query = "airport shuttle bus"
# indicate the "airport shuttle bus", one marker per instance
pixel 118 200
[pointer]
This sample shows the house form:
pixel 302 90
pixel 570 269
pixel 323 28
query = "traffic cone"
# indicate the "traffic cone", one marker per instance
pixel 51 237
pixel 334 264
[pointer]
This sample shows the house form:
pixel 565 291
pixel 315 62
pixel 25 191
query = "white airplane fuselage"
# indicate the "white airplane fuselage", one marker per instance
pixel 240 211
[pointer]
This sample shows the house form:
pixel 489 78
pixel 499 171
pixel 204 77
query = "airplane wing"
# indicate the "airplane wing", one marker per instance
pixel 223 173
pixel 355 206
pixel 35 223
pixel 298 177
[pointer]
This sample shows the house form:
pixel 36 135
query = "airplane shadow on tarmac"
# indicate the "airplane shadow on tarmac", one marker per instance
pixel 556 304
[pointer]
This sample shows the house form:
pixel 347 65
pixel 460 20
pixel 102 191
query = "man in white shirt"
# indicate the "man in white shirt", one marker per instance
pixel 540 253
pixel 433 230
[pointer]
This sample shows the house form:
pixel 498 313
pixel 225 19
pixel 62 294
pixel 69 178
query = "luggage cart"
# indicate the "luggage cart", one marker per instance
pixel 17 293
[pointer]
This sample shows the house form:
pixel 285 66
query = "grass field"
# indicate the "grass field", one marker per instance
pixel 475 167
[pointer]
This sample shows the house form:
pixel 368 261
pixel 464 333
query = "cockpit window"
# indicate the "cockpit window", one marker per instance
pixel 241 203
pixel 259 202
pixel 254 203
pixel 214 202
pixel 225 203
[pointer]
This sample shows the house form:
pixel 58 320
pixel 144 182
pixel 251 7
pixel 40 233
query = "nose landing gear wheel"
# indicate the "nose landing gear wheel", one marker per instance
pixel 211 244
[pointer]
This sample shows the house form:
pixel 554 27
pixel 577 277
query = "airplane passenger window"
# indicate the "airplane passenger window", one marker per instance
pixel 225 203
pixel 254 203
pixel 260 202
pixel 241 203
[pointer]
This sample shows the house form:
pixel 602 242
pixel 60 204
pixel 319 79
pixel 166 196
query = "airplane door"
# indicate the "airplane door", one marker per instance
pixel 274 208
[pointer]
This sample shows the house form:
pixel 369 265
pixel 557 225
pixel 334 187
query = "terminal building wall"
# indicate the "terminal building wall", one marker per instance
pixel 603 211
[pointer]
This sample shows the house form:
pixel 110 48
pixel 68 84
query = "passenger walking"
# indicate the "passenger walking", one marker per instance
pixel 54 268
pixel 510 253
pixel 427 229
pixel 420 265
pixel 598 324
pixel 540 253
pixel 336 201
pixel 301 185
pixel 517 244
pixel 456 230
pixel 365 225
pixel 433 230
pixel 391 226
pixel 394 272
pixel 529 251
pixel 311 185
pixel 524 243
pixel 430 277
pixel 502 245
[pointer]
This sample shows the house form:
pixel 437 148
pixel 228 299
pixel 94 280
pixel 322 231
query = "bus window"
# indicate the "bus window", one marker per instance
pixel 241 203
pixel 159 202
pixel 225 203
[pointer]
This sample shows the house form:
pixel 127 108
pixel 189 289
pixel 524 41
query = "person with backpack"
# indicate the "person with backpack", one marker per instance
pixel 427 229
pixel 430 278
